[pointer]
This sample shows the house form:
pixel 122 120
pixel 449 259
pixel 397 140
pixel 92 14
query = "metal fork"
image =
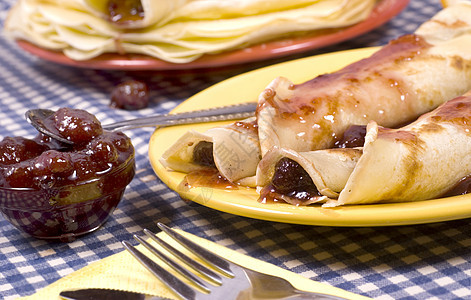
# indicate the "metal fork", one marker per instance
pixel 227 280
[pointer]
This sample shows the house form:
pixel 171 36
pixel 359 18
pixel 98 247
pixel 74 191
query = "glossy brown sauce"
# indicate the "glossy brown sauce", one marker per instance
pixel 269 195
pixel 461 188
pixel 209 177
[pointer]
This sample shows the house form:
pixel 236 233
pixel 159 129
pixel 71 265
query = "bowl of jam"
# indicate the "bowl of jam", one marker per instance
pixel 54 190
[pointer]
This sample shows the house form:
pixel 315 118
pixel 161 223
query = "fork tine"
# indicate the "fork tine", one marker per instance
pixel 189 261
pixel 175 284
pixel 184 272
pixel 209 257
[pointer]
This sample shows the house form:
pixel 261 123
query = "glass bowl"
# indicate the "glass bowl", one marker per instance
pixel 66 212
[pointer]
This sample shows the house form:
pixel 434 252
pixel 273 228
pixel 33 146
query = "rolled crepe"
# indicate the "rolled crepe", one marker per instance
pixel 328 172
pixel 404 79
pixel 233 150
pixel 420 161
pixel 174 31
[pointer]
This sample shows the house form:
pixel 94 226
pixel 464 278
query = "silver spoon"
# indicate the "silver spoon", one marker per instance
pixel 37 117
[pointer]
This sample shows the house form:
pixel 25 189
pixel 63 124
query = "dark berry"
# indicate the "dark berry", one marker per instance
pixel 121 141
pixel 19 175
pixel 77 125
pixel 103 151
pixel 16 149
pixel 130 95
pixel 54 162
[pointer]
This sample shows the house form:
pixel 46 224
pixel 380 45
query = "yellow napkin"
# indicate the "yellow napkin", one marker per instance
pixel 121 271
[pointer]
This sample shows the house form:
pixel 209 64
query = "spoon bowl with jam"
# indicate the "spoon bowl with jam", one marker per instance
pixel 55 190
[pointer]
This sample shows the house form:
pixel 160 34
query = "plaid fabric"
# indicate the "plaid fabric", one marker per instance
pixel 428 261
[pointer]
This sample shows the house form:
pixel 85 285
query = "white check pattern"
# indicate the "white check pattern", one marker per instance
pixel 430 261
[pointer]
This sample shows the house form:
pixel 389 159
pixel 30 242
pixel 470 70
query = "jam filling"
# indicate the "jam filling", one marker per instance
pixel 203 154
pixel 208 176
pixel 125 11
pixel 353 137
pixel 289 180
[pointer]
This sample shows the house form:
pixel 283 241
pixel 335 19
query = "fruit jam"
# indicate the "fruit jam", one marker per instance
pixel 58 191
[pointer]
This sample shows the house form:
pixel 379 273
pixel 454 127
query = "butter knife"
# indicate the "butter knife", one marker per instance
pixel 105 294
pixel 39 119
pixel 223 113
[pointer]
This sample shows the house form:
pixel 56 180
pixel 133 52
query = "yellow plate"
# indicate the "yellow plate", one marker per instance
pixel 245 88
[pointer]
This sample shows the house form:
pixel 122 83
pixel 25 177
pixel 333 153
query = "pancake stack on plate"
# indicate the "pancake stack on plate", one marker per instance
pixel 173 31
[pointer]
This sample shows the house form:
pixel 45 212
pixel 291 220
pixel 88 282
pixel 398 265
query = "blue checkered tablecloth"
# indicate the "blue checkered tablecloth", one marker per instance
pixel 430 261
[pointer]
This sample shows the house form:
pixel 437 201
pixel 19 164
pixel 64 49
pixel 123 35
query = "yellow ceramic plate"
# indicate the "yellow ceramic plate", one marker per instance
pixel 245 88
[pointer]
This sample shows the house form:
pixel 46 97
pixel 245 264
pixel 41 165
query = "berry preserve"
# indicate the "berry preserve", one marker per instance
pixel 54 190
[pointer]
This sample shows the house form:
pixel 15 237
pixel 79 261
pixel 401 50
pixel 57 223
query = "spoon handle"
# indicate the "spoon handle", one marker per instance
pixel 224 113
